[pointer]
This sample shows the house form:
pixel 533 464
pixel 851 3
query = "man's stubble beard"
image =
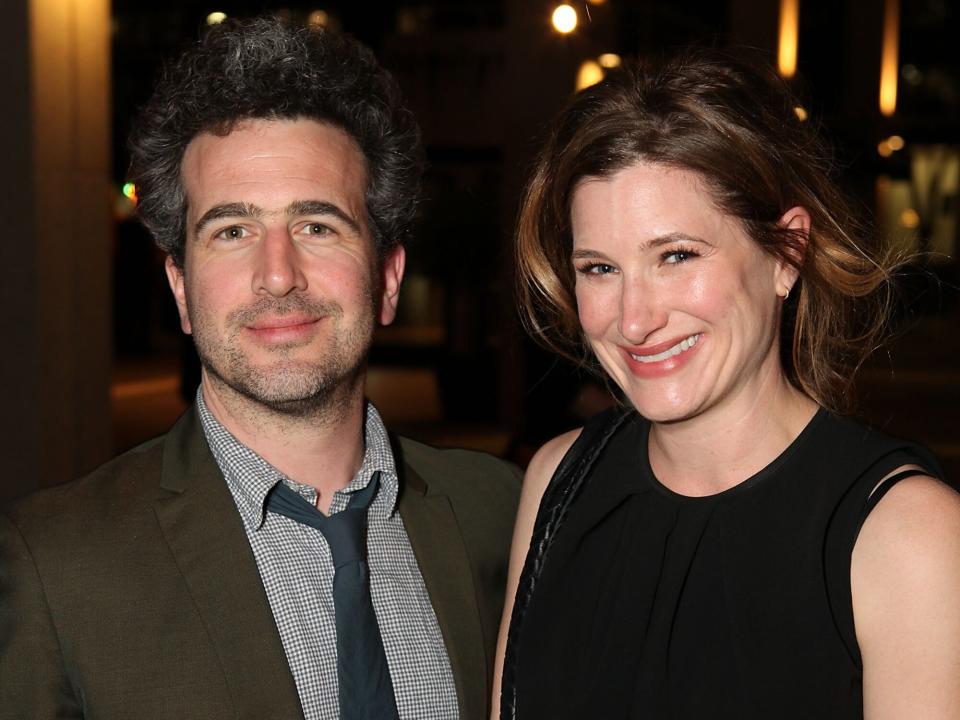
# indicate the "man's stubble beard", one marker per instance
pixel 320 388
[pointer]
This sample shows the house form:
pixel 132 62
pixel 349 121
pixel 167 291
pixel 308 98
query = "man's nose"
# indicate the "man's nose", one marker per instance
pixel 642 310
pixel 278 265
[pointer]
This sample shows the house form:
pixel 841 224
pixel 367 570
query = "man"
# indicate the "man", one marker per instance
pixel 279 170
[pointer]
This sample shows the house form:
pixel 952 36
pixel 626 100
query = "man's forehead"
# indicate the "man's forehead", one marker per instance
pixel 260 158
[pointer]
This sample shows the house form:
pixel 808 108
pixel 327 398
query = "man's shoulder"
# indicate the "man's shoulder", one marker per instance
pixel 455 465
pixel 481 491
pixel 104 495
pixel 458 472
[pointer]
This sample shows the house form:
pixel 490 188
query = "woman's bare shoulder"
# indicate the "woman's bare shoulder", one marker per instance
pixel 915 528
pixel 544 463
pixel 541 468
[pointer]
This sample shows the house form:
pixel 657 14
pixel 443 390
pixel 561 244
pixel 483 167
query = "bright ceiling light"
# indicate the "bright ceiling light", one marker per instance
pixel 564 19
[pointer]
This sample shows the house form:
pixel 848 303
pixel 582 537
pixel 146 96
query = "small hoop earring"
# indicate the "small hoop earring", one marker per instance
pixel 786 295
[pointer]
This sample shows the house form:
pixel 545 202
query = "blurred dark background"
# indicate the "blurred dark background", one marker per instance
pixel 93 359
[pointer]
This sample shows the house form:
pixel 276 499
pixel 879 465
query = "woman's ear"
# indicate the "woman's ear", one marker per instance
pixel 797 221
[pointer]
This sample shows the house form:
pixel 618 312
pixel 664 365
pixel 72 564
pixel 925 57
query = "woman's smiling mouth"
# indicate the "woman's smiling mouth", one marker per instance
pixel 671 351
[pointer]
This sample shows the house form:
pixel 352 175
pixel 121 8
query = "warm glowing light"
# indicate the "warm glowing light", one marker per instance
pixel 597 2
pixel 909 218
pixel 789 34
pixel 317 19
pixel 564 19
pixel 590 73
pixel 215 18
pixel 888 147
pixel 889 57
pixel 609 60
pixel 130 191
pixel 801 112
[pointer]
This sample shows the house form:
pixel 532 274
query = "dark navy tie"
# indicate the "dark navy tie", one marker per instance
pixel 366 691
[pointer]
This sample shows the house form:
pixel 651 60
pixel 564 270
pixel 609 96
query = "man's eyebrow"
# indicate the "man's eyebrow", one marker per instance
pixel 298 207
pixel 227 210
pixel 320 207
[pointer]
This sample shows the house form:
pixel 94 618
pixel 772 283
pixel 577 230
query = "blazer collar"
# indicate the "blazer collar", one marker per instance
pixel 431 525
pixel 205 533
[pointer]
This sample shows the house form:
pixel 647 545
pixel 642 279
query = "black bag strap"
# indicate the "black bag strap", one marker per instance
pixel 570 478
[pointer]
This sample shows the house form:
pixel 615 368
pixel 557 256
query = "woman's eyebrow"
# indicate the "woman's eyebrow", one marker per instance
pixel 656 242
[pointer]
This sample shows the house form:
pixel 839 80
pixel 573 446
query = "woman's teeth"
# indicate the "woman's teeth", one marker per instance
pixel 680 347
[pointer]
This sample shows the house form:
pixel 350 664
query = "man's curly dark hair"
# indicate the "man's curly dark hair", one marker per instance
pixel 265 68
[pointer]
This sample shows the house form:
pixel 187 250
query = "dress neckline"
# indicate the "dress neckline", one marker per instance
pixel 752 481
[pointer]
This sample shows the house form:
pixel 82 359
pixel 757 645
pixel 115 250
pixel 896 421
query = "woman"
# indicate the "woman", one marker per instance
pixel 724 545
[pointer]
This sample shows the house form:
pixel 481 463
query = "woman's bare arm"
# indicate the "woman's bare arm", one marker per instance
pixel 905 581
pixel 539 472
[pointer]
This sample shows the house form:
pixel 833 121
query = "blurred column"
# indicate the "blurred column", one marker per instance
pixel 55 255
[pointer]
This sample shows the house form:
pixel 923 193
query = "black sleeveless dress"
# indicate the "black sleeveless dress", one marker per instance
pixel 650 604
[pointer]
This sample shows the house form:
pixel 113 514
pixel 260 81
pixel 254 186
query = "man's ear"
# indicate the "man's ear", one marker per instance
pixel 391 270
pixel 797 221
pixel 175 278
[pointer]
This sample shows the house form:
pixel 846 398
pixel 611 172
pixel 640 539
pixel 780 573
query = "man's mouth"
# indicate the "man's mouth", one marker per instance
pixel 282 322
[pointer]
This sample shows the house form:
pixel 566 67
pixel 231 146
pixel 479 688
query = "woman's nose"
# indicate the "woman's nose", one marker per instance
pixel 641 311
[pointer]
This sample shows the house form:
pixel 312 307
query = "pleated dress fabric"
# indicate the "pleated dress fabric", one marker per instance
pixel 737 605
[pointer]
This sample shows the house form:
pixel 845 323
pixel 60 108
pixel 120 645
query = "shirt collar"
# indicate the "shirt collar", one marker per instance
pixel 250 477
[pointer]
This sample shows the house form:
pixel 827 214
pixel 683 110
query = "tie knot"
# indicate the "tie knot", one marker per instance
pixel 345 531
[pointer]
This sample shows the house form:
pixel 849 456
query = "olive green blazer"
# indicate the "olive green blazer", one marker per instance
pixel 133 593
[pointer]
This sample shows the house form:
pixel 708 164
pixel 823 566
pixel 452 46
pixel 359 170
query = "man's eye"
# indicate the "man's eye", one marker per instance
pixel 316 229
pixel 234 232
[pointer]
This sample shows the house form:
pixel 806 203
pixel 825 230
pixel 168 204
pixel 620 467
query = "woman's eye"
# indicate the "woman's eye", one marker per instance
pixel 597 269
pixel 674 257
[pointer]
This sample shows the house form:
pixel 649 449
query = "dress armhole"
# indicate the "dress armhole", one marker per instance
pixel 844 529
pixel 882 489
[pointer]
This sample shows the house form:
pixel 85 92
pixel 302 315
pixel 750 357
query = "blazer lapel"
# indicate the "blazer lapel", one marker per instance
pixel 431 525
pixel 206 536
